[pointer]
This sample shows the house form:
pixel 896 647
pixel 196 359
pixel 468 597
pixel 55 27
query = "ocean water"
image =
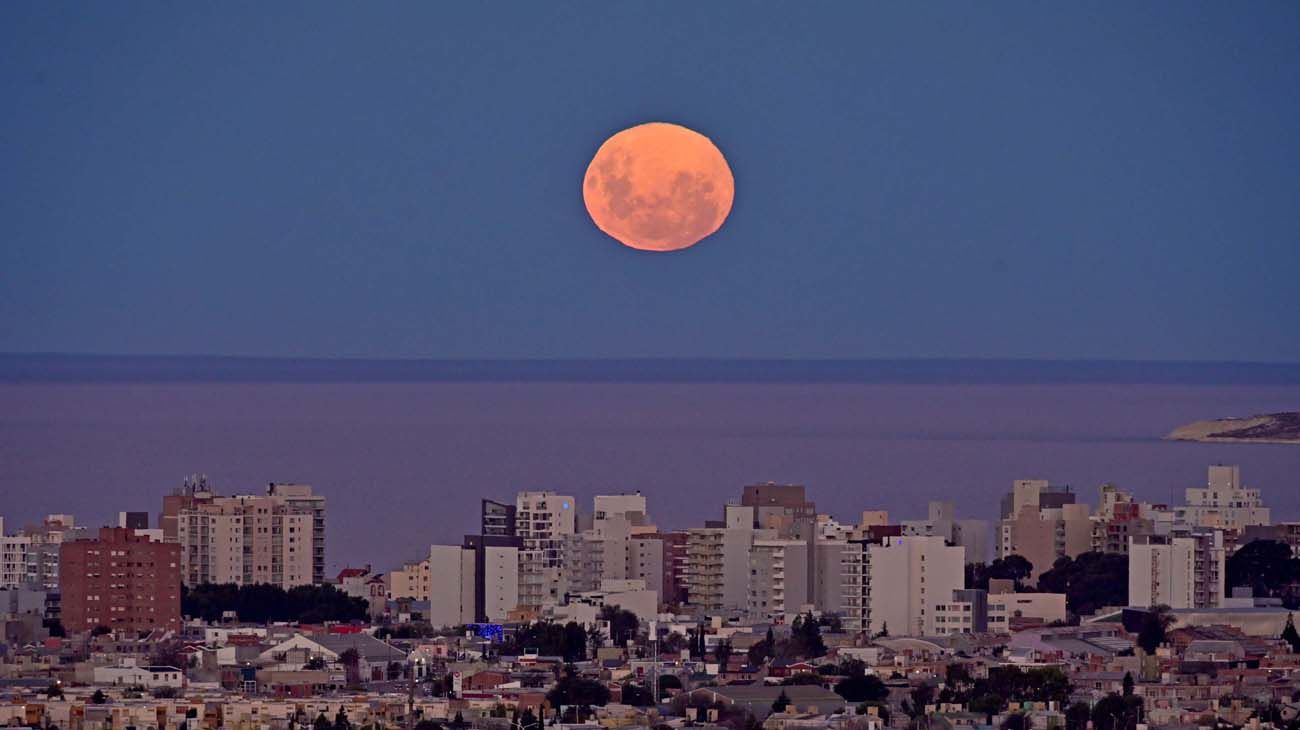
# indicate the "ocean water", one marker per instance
pixel 404 464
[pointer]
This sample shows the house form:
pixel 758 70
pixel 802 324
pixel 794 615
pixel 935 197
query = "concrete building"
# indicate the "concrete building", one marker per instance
pixel 542 521
pixel 477 581
pixel 973 611
pixel 942 522
pixel 277 538
pixel 909 576
pixel 1223 504
pixel 30 557
pixel 855 572
pixel 1183 570
pixel 1041 524
pixel 967 612
pixel 718 562
pixel 617 543
pixel 412 580
pixel 121 580
pixel 778 579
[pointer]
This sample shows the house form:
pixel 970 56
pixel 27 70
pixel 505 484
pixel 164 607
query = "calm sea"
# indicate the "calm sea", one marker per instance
pixel 404 464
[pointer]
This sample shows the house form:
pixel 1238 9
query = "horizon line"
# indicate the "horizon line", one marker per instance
pixel 99 368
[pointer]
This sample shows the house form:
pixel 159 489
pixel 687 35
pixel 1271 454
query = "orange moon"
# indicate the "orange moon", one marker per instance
pixel 658 187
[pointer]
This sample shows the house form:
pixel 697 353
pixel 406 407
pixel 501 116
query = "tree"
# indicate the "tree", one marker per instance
pixel 315 664
pixel 595 639
pixel 667 682
pixel 636 695
pixel 1077 716
pixel 427 725
pixel 1090 581
pixel 623 624
pixel 54 691
pixel 1128 684
pixel 673 643
pixel 163 693
pixel 1017 721
pixel 98 697
pixel 322 722
pixel 990 704
pixel 862 688
pixel 351 662
pixel 781 702
pixel 1290 636
pixel 1265 565
pixel 1154 626
pixel 262 603
pixel 341 721
pixel 575 642
pixel 807 679
pixel 55 627
pixel 806 638
pixel 577 691
pixel 723 652
pixel 100 630
pixel 1114 712
pixel 915 705
pixel 528 721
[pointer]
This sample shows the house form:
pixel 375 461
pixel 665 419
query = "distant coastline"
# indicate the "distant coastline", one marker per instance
pixel 75 368
pixel 1269 428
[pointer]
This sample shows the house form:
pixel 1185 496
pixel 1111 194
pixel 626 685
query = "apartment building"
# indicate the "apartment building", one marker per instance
pixel 1182 570
pixel 855 571
pixel 411 581
pixel 121 580
pixel 974 611
pixel 1223 504
pixel 717 559
pixel 909 576
pixel 617 543
pixel 277 538
pixel 478 581
pixel 1041 523
pixel 942 521
pixel 542 522
pixel 778 579
pixel 30 557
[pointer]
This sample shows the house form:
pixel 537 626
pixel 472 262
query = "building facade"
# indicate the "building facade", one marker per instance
pixel 909 576
pixel 542 522
pixel 277 538
pixel 1183 570
pixel 121 580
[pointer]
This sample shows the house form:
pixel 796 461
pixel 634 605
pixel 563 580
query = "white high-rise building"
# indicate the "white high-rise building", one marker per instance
pixel 619 544
pixel 1183 570
pixel 476 582
pixel 542 522
pixel 908 577
pixel 1223 504
pixel 717 561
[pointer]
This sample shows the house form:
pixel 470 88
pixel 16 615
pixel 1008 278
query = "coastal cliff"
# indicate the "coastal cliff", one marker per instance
pixel 1272 428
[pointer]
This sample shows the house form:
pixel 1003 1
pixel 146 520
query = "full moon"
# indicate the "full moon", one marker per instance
pixel 658 187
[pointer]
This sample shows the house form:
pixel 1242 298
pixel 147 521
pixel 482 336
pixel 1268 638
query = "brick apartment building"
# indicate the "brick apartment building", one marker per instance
pixel 122 580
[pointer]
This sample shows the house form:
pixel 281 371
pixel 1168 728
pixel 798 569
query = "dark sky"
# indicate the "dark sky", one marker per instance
pixel 1050 180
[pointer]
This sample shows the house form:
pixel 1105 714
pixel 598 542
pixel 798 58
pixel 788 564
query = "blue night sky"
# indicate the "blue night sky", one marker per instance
pixel 1045 180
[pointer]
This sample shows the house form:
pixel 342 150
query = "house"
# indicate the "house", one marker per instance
pixel 758 698
pixel 375 658
pixel 131 674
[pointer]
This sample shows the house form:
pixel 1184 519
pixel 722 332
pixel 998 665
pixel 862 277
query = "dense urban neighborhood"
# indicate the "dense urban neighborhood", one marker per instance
pixel 218 612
